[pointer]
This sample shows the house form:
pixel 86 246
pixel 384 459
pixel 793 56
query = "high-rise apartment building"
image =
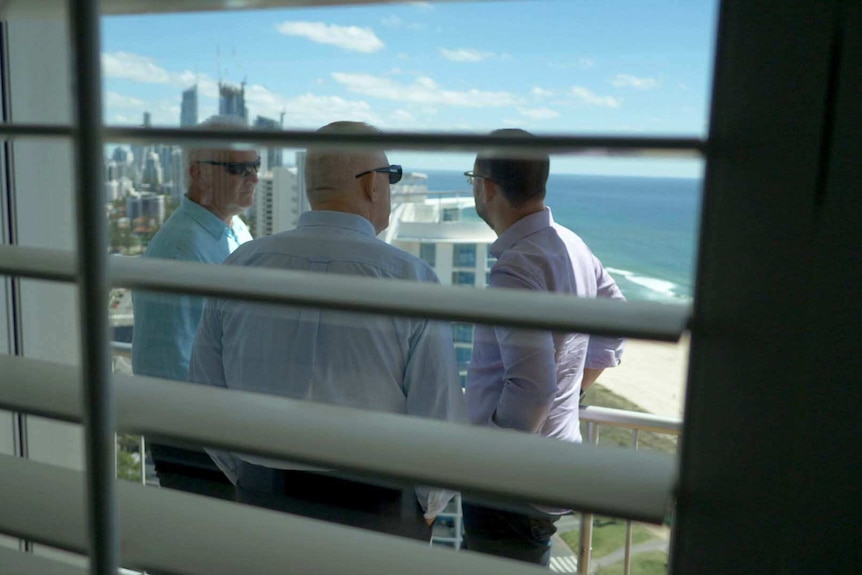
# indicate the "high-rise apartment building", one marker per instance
pixel 147 206
pixel 139 152
pixel 231 101
pixel 431 227
pixel 300 179
pixel 271 158
pixel 279 201
pixel 189 107
pixel 177 174
pixel 153 176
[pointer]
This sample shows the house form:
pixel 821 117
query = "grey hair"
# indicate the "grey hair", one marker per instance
pixel 192 152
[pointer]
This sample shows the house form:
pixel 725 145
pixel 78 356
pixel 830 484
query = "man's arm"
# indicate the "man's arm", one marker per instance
pixel 590 377
pixel 206 368
pixel 529 368
pixel 206 357
pixel 433 390
pixel 603 351
pixel 165 326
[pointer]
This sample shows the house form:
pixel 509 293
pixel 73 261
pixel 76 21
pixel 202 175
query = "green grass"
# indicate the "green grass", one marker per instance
pixel 608 536
pixel 613 436
pixel 649 563
pixel 128 467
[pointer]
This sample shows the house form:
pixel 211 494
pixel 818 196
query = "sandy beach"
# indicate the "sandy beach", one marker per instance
pixel 652 375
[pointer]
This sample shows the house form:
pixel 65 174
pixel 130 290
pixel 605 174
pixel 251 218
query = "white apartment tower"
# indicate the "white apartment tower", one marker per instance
pixel 279 201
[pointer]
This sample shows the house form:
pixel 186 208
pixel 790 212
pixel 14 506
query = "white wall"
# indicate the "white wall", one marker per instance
pixel 40 87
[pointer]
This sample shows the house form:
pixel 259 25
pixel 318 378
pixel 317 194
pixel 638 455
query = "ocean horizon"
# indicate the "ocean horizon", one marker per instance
pixel 643 229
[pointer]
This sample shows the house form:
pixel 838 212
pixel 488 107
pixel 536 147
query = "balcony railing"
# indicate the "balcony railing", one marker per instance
pixel 594 418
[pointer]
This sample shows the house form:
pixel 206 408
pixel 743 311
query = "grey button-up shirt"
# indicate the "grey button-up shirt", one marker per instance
pixel 394 364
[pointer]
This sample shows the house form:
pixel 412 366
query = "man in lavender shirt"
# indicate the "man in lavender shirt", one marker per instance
pixel 530 380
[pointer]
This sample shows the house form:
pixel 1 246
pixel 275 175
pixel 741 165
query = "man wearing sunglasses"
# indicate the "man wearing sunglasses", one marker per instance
pixel 205 228
pixel 365 361
pixel 529 380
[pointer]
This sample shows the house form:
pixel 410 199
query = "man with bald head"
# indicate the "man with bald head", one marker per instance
pixel 398 365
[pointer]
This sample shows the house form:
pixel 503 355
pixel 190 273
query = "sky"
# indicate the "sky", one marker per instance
pixel 580 67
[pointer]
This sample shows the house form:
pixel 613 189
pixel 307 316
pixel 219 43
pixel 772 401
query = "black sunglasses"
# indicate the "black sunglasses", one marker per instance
pixel 244 169
pixel 395 172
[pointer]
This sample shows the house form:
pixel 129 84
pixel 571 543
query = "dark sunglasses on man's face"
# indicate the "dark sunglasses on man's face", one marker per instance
pixel 244 169
pixel 395 172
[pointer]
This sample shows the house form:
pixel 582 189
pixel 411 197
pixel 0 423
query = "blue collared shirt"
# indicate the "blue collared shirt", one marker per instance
pixel 530 380
pixel 379 362
pixel 165 324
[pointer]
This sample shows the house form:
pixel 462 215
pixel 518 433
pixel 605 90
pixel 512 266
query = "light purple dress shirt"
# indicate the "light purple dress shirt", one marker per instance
pixel 530 380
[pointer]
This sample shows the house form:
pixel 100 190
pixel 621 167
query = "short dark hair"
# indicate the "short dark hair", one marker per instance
pixel 522 176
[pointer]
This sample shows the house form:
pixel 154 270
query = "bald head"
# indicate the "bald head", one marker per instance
pixel 331 182
pixel 331 172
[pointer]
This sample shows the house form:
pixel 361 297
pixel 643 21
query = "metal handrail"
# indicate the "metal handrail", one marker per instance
pixel 633 420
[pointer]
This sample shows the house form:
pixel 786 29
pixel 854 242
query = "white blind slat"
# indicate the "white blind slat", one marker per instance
pixel 504 464
pixel 160 530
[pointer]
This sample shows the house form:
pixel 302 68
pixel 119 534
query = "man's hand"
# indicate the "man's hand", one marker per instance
pixel 430 522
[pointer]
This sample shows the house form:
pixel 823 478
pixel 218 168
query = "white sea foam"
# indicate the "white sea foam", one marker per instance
pixel 662 289
pixel 625 273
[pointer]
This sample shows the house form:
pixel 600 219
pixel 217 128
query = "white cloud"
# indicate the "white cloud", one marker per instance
pixel 465 55
pixel 579 64
pixel 423 90
pixel 539 113
pixel 135 67
pixel 143 69
pixel 115 100
pixel 127 110
pixel 307 110
pixel 392 21
pixel 588 97
pixel 629 81
pixel 351 38
pixel 541 92
pixel 403 116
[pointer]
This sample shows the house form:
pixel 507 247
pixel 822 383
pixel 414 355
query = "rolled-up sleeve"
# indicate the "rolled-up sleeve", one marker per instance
pixel 605 351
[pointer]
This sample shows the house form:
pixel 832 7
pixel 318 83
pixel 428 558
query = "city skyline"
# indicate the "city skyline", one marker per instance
pixel 618 67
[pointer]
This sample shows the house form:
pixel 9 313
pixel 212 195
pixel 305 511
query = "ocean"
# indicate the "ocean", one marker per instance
pixel 643 229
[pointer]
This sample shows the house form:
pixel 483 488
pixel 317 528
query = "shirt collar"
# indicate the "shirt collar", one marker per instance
pixel 208 220
pixel 344 220
pixel 521 229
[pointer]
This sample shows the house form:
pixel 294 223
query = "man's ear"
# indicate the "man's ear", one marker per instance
pixel 195 171
pixel 366 184
pixel 490 189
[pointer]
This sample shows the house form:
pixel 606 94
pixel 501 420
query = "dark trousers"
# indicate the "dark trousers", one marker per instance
pixel 191 471
pixel 331 498
pixel 521 536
